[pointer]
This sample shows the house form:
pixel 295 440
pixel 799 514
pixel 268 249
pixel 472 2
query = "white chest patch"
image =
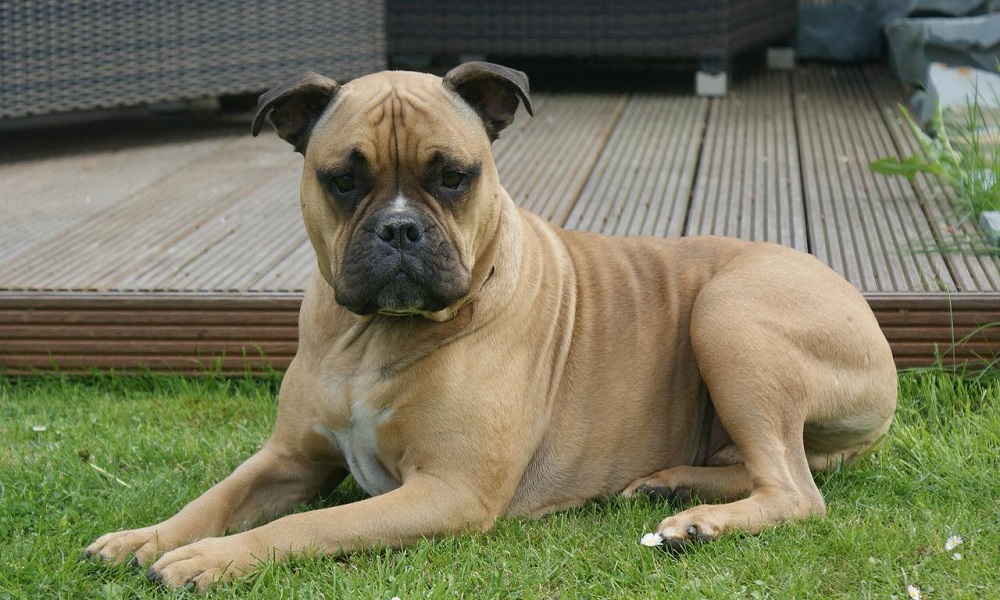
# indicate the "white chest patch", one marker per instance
pixel 358 443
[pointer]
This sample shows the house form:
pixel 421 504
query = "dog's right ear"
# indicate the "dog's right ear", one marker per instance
pixel 294 107
pixel 492 90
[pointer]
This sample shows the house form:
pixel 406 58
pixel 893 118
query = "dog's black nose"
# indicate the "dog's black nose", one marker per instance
pixel 400 230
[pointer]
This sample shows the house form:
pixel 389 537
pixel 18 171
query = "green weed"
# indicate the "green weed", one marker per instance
pixel 970 164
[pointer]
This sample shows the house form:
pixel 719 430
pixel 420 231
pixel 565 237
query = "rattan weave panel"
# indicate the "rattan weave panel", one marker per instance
pixel 634 28
pixel 58 56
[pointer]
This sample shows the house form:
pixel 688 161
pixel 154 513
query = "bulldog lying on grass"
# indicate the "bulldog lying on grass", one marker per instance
pixel 464 360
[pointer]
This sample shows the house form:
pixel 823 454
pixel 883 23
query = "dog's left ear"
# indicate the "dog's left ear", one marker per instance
pixel 492 90
pixel 294 106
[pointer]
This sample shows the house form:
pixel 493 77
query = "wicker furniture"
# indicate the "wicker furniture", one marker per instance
pixel 58 56
pixel 712 31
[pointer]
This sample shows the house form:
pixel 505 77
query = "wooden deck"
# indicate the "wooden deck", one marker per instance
pixel 173 243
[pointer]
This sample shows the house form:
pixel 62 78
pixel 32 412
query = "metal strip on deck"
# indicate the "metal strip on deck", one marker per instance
pixel 955 233
pixel 643 179
pixel 546 165
pixel 749 179
pixel 866 226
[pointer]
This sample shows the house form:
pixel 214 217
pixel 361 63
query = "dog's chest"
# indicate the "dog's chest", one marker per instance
pixel 357 440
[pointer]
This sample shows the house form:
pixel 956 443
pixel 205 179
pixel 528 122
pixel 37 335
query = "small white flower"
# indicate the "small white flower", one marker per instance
pixel 956 556
pixel 913 592
pixel 39 428
pixel 652 540
pixel 953 542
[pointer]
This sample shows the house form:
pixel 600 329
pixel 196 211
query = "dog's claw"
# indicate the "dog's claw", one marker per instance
pixel 682 493
pixel 153 576
pixel 696 535
pixel 675 546
pixel 134 563
pixel 658 491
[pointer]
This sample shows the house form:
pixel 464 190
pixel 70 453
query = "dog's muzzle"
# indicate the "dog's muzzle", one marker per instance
pixel 400 262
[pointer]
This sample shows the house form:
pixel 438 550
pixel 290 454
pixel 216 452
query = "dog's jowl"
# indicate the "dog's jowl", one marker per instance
pixel 465 360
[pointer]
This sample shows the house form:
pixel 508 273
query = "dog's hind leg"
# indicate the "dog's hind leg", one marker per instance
pixel 761 400
pixel 777 477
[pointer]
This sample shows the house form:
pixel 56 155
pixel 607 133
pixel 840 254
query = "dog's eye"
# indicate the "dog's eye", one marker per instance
pixel 344 183
pixel 452 179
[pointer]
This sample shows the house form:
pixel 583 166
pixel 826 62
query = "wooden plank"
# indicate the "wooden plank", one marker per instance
pixel 749 178
pixel 177 347
pixel 43 198
pixel 35 302
pixel 924 333
pixel 183 333
pixel 230 251
pixel 935 302
pixel 152 316
pixel 93 332
pixel 954 232
pixel 115 242
pixel 188 332
pixel 940 318
pixel 290 273
pixel 867 227
pixel 546 165
pixel 40 156
pixel 239 364
pixel 641 183
pixel 955 329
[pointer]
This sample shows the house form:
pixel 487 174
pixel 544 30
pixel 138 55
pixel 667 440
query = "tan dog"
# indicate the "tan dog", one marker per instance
pixel 465 360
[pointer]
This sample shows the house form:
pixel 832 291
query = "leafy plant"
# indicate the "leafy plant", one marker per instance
pixel 970 166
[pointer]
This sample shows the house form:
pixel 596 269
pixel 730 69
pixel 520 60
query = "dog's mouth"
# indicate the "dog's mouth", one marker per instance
pixel 402 294
pixel 401 285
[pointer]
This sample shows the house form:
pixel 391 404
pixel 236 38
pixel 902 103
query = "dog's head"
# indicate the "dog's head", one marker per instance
pixel 399 190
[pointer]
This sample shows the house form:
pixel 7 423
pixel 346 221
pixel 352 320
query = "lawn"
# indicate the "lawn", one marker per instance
pixel 79 457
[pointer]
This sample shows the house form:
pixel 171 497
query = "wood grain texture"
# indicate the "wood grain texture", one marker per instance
pixel 176 244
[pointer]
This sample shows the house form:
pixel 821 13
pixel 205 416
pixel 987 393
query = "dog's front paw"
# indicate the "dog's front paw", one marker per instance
pixel 199 565
pixel 699 524
pixel 142 544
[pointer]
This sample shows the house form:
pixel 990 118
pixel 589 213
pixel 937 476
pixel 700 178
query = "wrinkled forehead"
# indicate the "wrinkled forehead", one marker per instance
pixel 398 112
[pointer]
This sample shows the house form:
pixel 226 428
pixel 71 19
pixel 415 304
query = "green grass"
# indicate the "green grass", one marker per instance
pixel 168 439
